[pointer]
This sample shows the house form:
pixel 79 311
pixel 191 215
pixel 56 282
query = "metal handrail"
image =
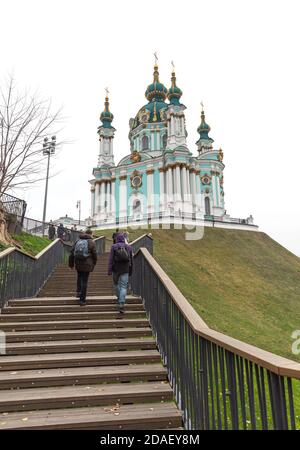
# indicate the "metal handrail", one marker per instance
pixel 219 382
pixel 23 275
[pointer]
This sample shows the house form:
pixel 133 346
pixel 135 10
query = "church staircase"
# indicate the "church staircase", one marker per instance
pixel 73 367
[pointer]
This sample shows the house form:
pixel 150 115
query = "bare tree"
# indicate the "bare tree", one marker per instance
pixel 25 120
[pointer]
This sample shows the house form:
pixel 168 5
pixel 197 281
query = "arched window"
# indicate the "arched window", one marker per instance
pixel 207 206
pixel 137 207
pixel 164 140
pixel 145 143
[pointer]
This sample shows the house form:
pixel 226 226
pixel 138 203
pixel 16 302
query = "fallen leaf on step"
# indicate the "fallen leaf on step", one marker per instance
pixel 13 373
pixel 24 419
pixel 3 423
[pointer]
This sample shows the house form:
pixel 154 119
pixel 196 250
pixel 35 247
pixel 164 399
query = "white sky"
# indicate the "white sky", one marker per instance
pixel 240 57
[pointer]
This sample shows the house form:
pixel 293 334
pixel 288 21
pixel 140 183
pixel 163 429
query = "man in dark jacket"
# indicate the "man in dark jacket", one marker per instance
pixel 84 264
pixel 120 266
pixel 114 236
pixel 51 231
pixel 60 231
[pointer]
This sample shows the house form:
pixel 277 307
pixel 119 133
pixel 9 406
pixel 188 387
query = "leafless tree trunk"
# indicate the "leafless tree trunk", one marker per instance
pixel 25 120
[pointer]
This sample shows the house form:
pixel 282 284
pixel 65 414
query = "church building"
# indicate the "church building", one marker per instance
pixel 160 181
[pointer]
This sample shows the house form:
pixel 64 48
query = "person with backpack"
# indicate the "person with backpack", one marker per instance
pixel 84 256
pixel 120 267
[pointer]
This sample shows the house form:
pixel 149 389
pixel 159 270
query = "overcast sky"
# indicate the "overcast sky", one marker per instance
pixel 240 57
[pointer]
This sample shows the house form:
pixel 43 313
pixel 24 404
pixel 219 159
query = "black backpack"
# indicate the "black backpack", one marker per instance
pixel 121 254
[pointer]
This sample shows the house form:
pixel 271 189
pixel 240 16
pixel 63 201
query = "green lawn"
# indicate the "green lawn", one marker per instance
pixel 242 283
pixel 31 244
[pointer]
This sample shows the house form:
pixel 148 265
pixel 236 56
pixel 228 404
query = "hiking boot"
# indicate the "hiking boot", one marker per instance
pixel 121 308
pixel 77 294
pixel 82 302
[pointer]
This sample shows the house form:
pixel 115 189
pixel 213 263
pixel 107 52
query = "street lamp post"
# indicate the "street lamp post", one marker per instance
pixel 48 150
pixel 78 205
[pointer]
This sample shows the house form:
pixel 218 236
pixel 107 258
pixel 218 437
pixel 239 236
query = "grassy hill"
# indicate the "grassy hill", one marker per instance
pixel 29 243
pixel 242 283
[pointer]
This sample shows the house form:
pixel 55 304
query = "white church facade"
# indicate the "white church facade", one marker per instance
pixel 160 181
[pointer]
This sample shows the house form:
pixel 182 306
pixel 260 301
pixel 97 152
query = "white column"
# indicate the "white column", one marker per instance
pixel 214 194
pixel 97 201
pixel 108 198
pixel 92 202
pixel 188 185
pixel 161 191
pixel 193 188
pixel 178 183
pixel 123 199
pixel 102 196
pixel 198 192
pixel 184 183
pixel 150 200
pixel 170 185
pixel 113 199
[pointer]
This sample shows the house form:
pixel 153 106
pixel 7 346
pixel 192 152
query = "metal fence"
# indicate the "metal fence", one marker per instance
pixel 38 228
pixel 219 382
pixel 22 275
pixel 145 241
pixel 13 205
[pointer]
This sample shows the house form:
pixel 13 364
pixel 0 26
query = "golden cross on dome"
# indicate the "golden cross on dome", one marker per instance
pixel 173 65
pixel 107 91
pixel 202 105
pixel 156 58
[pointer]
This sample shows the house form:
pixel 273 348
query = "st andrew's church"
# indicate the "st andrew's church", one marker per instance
pixel 160 181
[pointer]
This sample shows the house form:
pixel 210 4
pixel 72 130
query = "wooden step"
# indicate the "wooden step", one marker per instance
pixel 119 322
pixel 63 360
pixel 70 292
pixel 70 316
pixel 82 375
pixel 58 301
pixel 49 301
pixel 68 308
pixel 150 416
pixel 58 335
pixel 82 396
pixel 90 345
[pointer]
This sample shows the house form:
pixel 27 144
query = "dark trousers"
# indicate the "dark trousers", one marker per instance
pixel 82 282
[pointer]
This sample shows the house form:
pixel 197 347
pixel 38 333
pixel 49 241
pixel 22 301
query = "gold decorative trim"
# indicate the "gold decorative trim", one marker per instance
pixel 122 177
pixel 149 171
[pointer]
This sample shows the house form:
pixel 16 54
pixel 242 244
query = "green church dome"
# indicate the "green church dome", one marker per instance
pixel 106 116
pixel 156 90
pixel 174 92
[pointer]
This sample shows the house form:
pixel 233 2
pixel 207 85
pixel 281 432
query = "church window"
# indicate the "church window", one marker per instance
pixel 145 143
pixel 207 206
pixel 137 207
pixel 164 140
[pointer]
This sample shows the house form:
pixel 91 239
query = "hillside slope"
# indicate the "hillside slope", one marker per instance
pixel 242 283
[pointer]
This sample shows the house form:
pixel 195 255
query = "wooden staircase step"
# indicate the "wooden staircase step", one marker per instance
pixel 63 360
pixel 79 346
pixel 58 335
pixel 82 396
pixel 49 301
pixel 69 308
pixel 150 416
pixel 69 316
pixel 119 322
pixel 81 375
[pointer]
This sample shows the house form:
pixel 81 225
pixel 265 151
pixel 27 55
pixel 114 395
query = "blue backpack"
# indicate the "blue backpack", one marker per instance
pixel 81 251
